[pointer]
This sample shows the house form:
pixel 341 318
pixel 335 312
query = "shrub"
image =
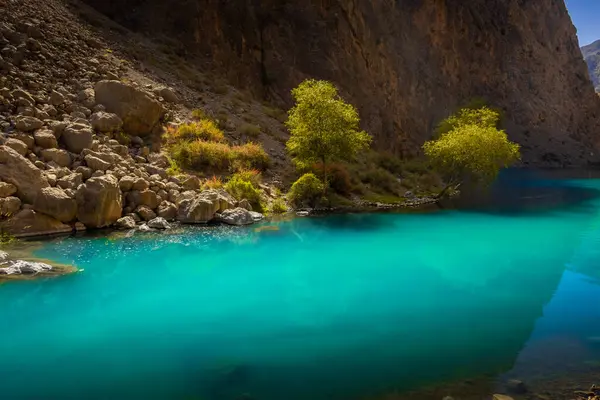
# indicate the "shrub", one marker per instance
pixel 249 156
pixel 380 179
pixel 251 175
pixel 204 129
pixel 308 189
pixel 278 206
pixel 241 187
pixel 199 114
pixel 250 130
pixel 338 177
pixel 174 168
pixel 201 154
pixel 213 183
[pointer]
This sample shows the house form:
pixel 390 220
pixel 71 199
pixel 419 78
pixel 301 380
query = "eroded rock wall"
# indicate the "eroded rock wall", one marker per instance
pixel 405 63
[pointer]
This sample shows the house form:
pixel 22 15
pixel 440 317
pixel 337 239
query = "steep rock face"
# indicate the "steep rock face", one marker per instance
pixel 406 63
pixel 591 54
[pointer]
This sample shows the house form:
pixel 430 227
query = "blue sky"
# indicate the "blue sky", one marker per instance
pixel 586 17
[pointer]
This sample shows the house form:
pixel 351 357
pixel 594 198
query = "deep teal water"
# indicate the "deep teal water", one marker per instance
pixel 338 307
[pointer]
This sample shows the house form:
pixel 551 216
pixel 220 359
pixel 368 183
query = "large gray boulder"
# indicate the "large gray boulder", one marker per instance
pixel 56 203
pixel 139 112
pixel 159 223
pixel 202 207
pixel 239 216
pixel 19 171
pixel 99 201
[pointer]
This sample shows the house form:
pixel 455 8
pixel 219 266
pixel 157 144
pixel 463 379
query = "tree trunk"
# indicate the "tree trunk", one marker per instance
pixel 446 188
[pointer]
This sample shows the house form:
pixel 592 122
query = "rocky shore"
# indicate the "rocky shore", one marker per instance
pixel 80 149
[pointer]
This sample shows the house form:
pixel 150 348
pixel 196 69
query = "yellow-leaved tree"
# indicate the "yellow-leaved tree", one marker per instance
pixel 323 127
pixel 470 144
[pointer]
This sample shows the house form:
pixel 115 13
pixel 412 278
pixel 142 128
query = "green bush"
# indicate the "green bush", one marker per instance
pixel 204 129
pixel 308 189
pixel 241 186
pixel 249 156
pixel 278 206
pixel 200 154
pixel 380 179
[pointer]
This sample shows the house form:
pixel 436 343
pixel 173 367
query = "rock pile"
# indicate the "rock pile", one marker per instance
pixel 76 143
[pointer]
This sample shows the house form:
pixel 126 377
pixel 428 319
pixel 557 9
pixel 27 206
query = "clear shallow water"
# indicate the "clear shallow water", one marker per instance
pixel 340 307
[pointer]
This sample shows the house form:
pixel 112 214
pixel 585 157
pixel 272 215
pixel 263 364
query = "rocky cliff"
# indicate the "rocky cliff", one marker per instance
pixel 406 63
pixel 591 54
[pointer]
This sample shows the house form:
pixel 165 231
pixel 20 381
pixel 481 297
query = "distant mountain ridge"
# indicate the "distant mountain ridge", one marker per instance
pixel 591 54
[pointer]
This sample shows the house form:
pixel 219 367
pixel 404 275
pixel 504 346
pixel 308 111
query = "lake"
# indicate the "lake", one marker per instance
pixel 360 306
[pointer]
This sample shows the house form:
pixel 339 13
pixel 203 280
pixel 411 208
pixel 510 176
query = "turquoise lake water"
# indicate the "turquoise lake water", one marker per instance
pixel 338 307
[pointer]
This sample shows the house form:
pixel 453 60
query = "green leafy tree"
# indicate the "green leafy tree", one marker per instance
pixel 323 127
pixel 470 144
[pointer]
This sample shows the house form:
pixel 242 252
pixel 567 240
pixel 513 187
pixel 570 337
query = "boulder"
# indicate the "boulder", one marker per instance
pixel 99 201
pixel 197 210
pixel 167 210
pixel 18 267
pixel 138 111
pixel 126 183
pixel 59 156
pixel 71 181
pixel 191 183
pixel 140 184
pixel 126 222
pixel 77 137
pixel 17 145
pixel 87 98
pixel 85 172
pixel 145 212
pixel 145 228
pixel 7 189
pixel 239 216
pixel 27 124
pixel 25 138
pixel 159 223
pixel 28 222
pixel 45 139
pixel 106 122
pixel 56 98
pixel 56 203
pixel 20 172
pixel 159 159
pixel 502 397
pixel 245 204
pixel 167 94
pixel 143 198
pixel 96 164
pixel 9 206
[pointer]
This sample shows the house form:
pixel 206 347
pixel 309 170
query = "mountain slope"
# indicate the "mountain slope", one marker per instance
pixel 406 64
pixel 591 54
